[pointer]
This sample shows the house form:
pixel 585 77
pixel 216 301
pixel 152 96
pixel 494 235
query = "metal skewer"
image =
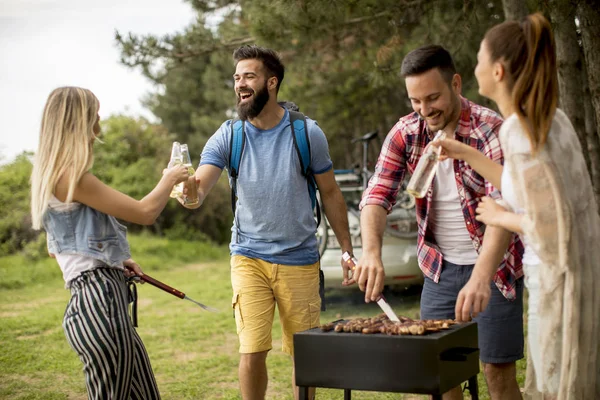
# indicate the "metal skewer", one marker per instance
pixel 381 301
pixel 173 291
pixel 207 308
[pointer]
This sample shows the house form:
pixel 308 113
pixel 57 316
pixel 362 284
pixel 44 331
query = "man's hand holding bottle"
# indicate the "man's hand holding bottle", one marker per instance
pixel 189 197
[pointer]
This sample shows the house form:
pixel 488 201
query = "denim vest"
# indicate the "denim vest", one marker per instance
pixel 87 232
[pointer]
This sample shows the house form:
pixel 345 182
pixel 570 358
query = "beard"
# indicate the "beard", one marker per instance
pixel 445 117
pixel 254 107
pixel 440 124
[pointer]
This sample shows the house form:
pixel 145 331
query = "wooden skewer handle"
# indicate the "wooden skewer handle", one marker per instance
pixel 160 285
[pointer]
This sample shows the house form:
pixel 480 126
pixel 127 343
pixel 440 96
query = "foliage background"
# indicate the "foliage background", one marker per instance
pixel 342 62
pixel 343 59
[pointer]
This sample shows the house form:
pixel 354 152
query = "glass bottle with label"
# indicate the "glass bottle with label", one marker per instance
pixel 176 159
pixel 191 197
pixel 421 179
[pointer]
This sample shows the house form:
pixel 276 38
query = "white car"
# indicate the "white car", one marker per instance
pixel 399 255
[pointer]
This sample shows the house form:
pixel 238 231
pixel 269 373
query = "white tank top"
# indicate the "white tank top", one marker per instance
pixel 72 265
pixel 446 218
pixel 509 195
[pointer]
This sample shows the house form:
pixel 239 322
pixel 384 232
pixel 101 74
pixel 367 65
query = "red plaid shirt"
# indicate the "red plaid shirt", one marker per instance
pixel 478 127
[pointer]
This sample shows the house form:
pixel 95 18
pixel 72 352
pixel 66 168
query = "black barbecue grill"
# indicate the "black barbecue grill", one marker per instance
pixel 430 364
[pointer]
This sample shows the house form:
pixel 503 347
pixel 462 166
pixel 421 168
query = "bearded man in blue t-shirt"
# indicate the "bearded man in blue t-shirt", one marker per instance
pixel 274 254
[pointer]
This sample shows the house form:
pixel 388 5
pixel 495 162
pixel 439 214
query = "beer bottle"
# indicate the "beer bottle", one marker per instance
pixel 191 197
pixel 421 179
pixel 176 159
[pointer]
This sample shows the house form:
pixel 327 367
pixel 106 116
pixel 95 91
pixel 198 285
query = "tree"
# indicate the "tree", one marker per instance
pixel 342 59
pixel 132 154
pixel 592 138
pixel 588 15
pixel 570 67
pixel 131 160
pixel 515 9
pixel 197 81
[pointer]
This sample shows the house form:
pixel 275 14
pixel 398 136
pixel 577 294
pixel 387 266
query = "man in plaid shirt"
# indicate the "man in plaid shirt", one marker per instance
pixel 454 256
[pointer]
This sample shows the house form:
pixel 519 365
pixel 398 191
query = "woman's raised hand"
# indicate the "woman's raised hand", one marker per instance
pixel 452 148
pixel 178 173
pixel 489 212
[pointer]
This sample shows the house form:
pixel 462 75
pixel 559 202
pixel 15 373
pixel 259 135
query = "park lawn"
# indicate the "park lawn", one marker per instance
pixel 193 352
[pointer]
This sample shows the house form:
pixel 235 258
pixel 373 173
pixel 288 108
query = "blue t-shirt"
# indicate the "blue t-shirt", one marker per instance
pixel 274 220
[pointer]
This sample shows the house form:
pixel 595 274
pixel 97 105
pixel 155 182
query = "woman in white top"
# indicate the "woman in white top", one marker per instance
pixel 78 213
pixel 549 201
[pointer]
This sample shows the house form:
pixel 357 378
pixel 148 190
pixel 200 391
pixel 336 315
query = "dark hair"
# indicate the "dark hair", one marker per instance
pixel 427 58
pixel 527 51
pixel 270 59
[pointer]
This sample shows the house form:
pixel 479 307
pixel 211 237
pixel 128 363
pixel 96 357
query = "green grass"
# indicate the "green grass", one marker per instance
pixel 152 253
pixel 193 352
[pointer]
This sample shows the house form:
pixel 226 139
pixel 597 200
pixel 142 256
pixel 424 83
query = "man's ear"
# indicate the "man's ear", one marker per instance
pixel 272 83
pixel 457 84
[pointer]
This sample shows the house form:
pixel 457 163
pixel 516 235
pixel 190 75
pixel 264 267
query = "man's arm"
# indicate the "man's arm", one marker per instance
pixel 377 200
pixel 336 212
pixel 475 295
pixel 369 272
pixel 206 176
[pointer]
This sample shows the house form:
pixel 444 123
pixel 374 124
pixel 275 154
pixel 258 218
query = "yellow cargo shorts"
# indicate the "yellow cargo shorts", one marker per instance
pixel 257 286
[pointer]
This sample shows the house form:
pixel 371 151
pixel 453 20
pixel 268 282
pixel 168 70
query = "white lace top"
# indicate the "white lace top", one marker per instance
pixel 562 226
pixel 510 197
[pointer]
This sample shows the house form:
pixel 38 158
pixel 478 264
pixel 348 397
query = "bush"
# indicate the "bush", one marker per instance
pixel 130 160
pixel 15 218
pixel 36 249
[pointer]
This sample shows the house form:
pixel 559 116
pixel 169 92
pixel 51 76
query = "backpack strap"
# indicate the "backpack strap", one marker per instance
pixel 302 144
pixel 236 147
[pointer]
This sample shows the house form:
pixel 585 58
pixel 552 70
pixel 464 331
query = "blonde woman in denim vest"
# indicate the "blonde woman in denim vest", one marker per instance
pixel 79 214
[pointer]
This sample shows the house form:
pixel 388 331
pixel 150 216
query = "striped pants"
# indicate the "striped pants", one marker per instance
pixel 98 328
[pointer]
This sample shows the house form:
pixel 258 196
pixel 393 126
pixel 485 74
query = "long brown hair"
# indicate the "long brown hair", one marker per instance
pixel 528 53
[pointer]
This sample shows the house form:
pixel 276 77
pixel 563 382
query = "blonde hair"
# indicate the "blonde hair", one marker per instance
pixel 65 145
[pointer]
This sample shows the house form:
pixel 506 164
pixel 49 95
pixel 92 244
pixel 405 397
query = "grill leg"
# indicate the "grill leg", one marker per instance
pixel 347 394
pixel 303 393
pixel 436 397
pixel 473 387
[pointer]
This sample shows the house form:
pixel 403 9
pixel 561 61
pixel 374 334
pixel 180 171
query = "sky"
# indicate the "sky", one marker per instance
pixel 45 44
